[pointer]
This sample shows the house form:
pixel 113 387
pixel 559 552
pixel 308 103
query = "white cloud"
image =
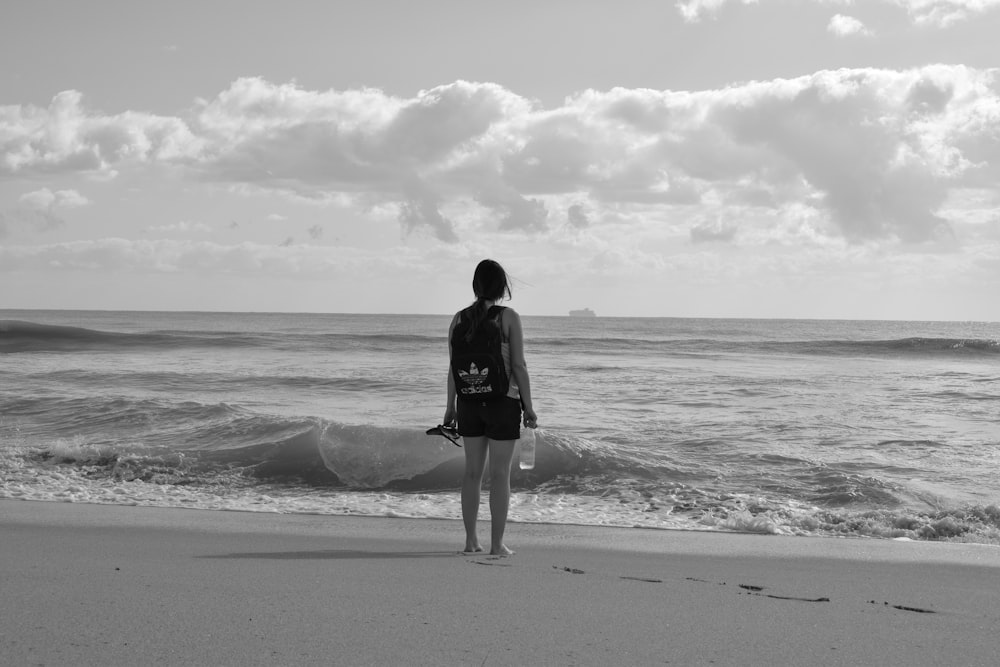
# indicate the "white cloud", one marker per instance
pixel 67 137
pixel 693 10
pixel 716 229
pixel 355 142
pixel 874 152
pixel 942 13
pixel 172 256
pixel 846 26
pixel 40 210
pixel 46 199
pixel 785 140
pixel 576 216
pixel 937 13
pixel 182 227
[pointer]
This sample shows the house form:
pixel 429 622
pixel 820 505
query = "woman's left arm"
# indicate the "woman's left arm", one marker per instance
pixel 449 411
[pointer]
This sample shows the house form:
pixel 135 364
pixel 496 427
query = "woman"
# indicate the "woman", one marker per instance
pixel 491 427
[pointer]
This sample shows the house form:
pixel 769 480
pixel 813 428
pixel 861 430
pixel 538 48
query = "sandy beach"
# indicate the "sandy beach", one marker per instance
pixel 115 585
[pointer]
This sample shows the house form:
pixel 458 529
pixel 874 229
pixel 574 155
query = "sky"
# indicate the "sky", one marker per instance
pixel 697 158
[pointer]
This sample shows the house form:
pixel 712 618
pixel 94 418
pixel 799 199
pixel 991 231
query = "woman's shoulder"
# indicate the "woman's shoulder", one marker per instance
pixel 503 313
pixel 507 310
pixel 509 317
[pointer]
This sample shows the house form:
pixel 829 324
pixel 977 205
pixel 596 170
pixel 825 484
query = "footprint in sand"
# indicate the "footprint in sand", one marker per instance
pixel 492 560
pixel 905 608
pixel 758 590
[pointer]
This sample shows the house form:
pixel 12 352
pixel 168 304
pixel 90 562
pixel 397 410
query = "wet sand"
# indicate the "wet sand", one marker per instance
pixel 114 585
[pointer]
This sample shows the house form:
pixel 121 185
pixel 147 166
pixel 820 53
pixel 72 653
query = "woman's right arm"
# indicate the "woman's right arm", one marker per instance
pixel 449 411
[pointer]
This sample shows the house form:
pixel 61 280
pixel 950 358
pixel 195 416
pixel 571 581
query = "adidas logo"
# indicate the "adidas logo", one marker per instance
pixel 474 376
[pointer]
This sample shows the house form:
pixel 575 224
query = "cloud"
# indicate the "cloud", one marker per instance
pixel 66 137
pixel 849 136
pixel 182 227
pixel 846 26
pixel 621 261
pixel 40 210
pixel 876 150
pixel 315 232
pixel 43 220
pixel 363 141
pixel 716 230
pixel 576 216
pixel 46 199
pixel 694 10
pixel 935 13
pixel 873 152
pixel 515 211
pixel 173 256
pixel 942 13
pixel 422 209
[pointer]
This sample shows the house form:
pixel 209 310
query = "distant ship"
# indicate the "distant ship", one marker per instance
pixel 586 312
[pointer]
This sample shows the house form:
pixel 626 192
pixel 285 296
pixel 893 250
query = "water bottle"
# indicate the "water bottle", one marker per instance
pixel 526 456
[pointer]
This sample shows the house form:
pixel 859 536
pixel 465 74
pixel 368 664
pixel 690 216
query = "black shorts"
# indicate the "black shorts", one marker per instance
pixel 497 420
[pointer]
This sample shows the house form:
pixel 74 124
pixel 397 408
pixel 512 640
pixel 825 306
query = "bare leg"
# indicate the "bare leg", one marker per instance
pixel 472 483
pixel 501 455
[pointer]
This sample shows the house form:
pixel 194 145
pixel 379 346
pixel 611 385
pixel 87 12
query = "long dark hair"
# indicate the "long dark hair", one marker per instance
pixel 489 283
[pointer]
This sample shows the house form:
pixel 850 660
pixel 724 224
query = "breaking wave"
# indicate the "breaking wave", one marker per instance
pixel 234 459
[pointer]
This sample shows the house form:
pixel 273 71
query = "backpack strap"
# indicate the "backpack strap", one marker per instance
pixel 494 313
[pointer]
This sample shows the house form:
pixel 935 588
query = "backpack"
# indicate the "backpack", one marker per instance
pixel 477 365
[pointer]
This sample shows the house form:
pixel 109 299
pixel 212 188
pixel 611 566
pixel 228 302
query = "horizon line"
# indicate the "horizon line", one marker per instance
pixel 566 316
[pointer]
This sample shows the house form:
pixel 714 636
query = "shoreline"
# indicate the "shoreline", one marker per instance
pixel 114 585
pixel 588 535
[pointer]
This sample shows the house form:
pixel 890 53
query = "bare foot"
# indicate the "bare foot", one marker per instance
pixel 502 550
pixel 472 548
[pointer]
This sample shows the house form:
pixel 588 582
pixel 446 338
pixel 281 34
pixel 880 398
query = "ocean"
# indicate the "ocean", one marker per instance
pixel 862 429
